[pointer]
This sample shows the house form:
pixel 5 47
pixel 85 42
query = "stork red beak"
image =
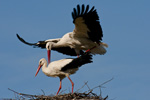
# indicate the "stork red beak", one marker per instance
pixel 38 69
pixel 49 55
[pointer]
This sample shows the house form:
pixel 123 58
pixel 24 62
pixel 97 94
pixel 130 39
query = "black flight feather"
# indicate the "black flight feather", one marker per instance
pixel 22 40
pixel 41 44
pixel 82 10
pixel 78 9
pixel 91 19
pixel 78 62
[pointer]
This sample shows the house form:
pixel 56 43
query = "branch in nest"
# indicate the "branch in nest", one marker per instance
pixel 101 85
pixel 27 95
pixel 82 86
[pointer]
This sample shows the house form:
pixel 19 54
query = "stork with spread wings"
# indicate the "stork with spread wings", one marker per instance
pixel 86 36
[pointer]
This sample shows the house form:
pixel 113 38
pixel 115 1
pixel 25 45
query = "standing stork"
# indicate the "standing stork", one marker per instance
pixel 87 35
pixel 63 68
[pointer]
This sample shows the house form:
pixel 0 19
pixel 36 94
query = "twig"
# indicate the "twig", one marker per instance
pixel 13 91
pixel 102 84
pixel 105 97
pixel 87 86
pixel 43 92
pixel 100 92
pixel 22 94
pixel 62 91
pixel 82 86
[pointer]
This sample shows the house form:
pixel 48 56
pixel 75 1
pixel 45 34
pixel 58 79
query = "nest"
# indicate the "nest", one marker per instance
pixel 69 96
pixel 88 95
pixel 74 96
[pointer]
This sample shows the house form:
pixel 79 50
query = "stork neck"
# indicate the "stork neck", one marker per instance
pixel 55 45
pixel 44 67
pixel 52 44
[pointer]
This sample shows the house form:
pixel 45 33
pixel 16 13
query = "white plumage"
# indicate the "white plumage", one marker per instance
pixel 63 68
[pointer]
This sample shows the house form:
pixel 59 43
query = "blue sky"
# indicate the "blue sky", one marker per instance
pixel 125 27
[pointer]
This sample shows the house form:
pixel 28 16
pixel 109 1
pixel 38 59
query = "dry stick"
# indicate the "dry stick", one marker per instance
pixel 102 84
pixel 105 97
pixel 100 92
pixel 13 91
pixel 62 91
pixel 82 86
pixel 43 92
pixel 90 90
pixel 87 86
pixel 86 91
pixel 22 94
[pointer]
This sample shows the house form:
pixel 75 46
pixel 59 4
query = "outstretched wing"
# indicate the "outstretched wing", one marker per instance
pixel 87 23
pixel 42 44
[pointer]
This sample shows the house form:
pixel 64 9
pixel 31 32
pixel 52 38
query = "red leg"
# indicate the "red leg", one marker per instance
pixel 90 49
pixel 59 87
pixel 71 83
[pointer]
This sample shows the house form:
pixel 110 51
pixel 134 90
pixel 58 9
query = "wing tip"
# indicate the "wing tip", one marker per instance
pixel 23 41
pixel 87 57
pixel 17 35
pixel 81 11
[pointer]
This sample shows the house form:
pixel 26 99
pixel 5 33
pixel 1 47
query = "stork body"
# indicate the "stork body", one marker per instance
pixel 87 35
pixel 63 68
pixel 78 44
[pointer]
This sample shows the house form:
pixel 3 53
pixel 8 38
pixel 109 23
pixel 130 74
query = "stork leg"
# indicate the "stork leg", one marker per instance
pixel 90 49
pixel 71 83
pixel 59 87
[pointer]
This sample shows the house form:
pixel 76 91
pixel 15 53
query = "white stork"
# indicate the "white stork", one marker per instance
pixel 64 67
pixel 87 35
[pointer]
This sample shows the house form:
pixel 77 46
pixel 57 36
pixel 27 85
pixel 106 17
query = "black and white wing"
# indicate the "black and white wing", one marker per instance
pixel 42 44
pixel 78 62
pixel 87 23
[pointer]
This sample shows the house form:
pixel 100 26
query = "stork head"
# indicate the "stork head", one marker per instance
pixel 41 63
pixel 48 47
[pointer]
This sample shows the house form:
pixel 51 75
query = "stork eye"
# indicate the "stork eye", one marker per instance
pixel 40 62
